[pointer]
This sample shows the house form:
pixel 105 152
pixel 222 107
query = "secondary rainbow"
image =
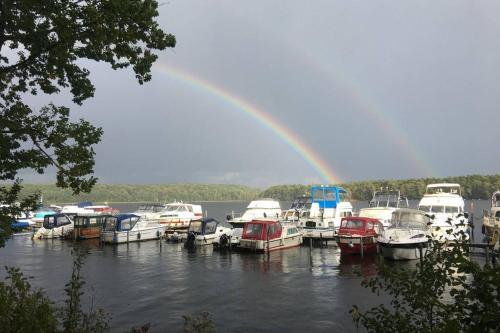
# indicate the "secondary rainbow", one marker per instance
pixel 287 136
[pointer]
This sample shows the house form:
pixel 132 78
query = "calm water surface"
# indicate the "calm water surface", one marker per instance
pixel 293 290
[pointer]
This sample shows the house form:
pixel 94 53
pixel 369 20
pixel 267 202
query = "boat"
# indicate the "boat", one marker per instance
pixel 261 208
pixel 39 215
pixel 269 235
pixel 150 211
pixel 444 203
pixel 298 209
pixel 207 231
pixel 264 208
pixel 58 225
pixel 358 235
pixel 408 236
pixel 88 226
pixel 383 203
pixel 22 227
pixel 86 207
pixel 329 204
pixel 177 215
pixel 124 228
pixel 491 220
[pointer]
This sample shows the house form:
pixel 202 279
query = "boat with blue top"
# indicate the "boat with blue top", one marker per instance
pixel 124 228
pixel 329 204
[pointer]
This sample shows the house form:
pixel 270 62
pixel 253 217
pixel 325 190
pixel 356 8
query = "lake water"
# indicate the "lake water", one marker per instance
pixel 294 290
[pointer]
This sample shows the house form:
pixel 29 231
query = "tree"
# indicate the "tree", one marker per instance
pixel 42 43
pixel 448 292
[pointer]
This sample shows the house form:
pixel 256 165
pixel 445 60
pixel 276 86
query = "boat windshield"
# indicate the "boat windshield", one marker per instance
pixel 150 208
pixel 110 224
pixel 351 224
pixel 253 230
pixel 172 208
pixel 409 220
pixel 210 227
pixel 196 226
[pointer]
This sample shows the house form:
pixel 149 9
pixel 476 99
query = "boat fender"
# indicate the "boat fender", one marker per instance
pixel 138 235
pixel 223 241
pixel 157 233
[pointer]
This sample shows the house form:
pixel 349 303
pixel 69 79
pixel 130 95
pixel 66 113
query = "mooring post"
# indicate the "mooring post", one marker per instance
pixel 320 239
pixel 361 246
pixel 128 236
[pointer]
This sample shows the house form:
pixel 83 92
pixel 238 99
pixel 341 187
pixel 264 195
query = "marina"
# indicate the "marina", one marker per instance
pixel 316 285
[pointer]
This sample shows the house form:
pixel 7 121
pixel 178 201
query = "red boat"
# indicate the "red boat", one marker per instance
pixel 355 231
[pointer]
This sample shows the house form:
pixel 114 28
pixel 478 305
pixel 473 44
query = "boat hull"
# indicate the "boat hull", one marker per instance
pixel 352 245
pixel 403 251
pixel 58 232
pixel 117 237
pixel 87 233
pixel 271 245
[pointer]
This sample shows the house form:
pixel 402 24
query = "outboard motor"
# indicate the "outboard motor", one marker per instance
pixel 224 241
pixel 190 241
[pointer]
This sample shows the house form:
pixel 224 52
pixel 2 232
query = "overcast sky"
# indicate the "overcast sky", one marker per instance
pixel 378 89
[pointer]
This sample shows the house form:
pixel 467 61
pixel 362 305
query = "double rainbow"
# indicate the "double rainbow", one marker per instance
pixel 285 134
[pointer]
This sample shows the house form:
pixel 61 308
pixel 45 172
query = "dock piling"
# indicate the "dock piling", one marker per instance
pixel 361 246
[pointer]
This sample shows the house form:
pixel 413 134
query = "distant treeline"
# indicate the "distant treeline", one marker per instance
pixel 146 193
pixel 473 187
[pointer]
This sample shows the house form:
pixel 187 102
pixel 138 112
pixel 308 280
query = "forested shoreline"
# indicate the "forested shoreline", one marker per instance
pixel 473 187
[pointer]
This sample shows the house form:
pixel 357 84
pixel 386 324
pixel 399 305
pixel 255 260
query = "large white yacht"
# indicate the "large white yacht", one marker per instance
pixel 329 204
pixel 383 204
pixel 444 204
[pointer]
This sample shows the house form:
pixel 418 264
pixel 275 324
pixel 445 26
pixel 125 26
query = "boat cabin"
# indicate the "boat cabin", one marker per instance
pixel 121 222
pixel 88 226
pixel 57 220
pixel 266 235
pixel 207 231
pixel 358 235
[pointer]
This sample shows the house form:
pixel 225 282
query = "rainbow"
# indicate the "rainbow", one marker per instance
pixel 366 104
pixel 264 118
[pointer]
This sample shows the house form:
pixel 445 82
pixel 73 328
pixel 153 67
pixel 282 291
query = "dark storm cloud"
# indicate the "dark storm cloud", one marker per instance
pixel 379 89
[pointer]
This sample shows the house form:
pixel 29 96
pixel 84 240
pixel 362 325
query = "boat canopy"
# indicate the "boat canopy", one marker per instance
pixel 89 221
pixel 327 196
pixel 410 219
pixel 356 222
pixel 56 220
pixel 84 204
pixel 262 230
pixel 121 222
pixel 206 226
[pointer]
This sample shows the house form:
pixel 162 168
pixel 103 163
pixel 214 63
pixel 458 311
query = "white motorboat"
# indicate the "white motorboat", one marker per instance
pixel 207 231
pixel 177 215
pixel 444 203
pixel 383 204
pixel 268 235
pixel 55 226
pixel 407 237
pixel 329 204
pixel 491 220
pixel 124 228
